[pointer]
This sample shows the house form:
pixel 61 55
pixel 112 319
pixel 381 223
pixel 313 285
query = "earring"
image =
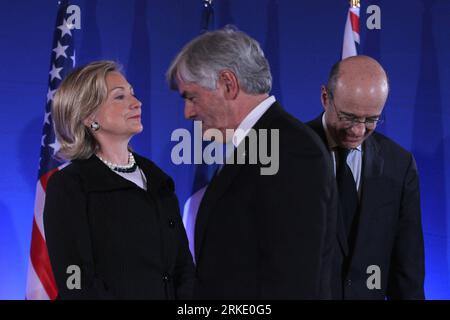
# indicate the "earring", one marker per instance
pixel 95 126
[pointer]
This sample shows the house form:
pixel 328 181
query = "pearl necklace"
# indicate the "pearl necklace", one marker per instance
pixel 130 167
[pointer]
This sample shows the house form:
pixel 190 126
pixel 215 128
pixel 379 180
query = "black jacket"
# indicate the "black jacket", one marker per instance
pixel 389 232
pixel 269 236
pixel 128 242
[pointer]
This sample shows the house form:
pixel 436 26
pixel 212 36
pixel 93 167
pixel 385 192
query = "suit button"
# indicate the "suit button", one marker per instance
pixel 171 223
pixel 166 277
pixel 348 282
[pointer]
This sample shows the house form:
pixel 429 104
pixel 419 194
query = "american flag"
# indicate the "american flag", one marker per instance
pixel 351 33
pixel 40 282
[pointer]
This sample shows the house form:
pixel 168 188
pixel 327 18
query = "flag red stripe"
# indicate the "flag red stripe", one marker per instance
pixel 41 282
pixel 41 262
pixel 45 177
pixel 355 22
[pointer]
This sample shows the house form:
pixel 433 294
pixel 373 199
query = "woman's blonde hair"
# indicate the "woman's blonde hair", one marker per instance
pixel 79 95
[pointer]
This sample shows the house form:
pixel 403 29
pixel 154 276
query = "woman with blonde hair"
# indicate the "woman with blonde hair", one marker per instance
pixel 111 216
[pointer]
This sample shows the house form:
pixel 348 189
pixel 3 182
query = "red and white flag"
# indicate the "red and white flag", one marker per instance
pixel 41 283
pixel 351 32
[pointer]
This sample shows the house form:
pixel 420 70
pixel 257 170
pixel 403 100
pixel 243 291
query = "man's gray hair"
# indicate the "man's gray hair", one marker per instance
pixel 202 60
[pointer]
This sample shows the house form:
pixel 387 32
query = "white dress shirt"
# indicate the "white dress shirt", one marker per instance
pixel 251 119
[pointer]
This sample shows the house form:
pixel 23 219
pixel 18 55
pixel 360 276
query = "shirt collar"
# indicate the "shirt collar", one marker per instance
pixel 250 120
pixel 331 143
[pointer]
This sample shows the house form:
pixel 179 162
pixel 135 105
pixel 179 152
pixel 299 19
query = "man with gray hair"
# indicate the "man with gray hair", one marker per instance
pixel 256 236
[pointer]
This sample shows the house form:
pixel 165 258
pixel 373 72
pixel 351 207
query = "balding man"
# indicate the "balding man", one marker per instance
pixel 379 252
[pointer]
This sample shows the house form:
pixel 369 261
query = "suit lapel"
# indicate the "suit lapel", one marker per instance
pixel 215 190
pixel 317 126
pixel 220 182
pixel 159 186
pixel 372 170
pixel 157 182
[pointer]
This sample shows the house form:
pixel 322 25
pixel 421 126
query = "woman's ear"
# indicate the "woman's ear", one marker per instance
pixel 89 120
pixel 229 82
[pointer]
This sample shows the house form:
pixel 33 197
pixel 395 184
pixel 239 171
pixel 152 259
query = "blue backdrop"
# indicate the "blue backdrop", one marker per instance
pixel 302 39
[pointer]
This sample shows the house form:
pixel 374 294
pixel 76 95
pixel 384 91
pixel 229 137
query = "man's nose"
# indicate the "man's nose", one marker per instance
pixel 358 129
pixel 189 112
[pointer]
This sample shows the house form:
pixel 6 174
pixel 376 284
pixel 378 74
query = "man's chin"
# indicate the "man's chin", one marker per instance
pixel 350 143
pixel 214 134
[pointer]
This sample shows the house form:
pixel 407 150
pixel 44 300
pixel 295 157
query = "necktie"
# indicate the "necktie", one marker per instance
pixel 347 193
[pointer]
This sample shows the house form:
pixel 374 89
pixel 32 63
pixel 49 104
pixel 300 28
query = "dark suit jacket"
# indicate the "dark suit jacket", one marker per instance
pixel 128 242
pixel 389 232
pixel 269 236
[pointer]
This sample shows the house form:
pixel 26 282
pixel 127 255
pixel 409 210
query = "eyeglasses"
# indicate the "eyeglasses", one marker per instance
pixel 350 121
